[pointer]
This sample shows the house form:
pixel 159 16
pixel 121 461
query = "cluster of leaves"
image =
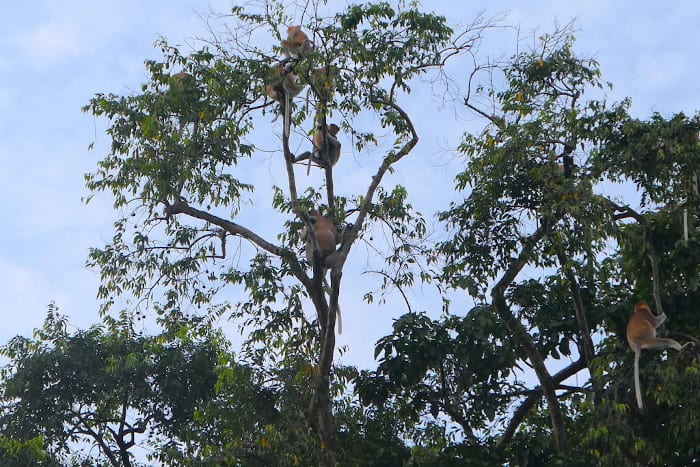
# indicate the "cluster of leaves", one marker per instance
pixel 29 453
pixel 105 386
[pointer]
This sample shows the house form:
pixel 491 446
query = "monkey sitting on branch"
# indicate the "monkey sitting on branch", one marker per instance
pixel 326 235
pixel 297 43
pixel 282 89
pixel 317 155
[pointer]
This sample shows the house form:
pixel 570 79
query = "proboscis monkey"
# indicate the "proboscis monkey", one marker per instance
pixel 182 81
pixel 282 89
pixel 567 165
pixel 641 334
pixel 184 84
pixel 325 233
pixel 297 42
pixel 316 155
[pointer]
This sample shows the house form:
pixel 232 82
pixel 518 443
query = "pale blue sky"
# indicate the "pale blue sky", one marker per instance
pixel 56 55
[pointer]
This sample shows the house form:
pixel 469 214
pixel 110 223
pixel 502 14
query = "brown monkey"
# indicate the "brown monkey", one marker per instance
pixel 566 166
pixel 182 81
pixel 325 233
pixel 297 42
pixel 282 89
pixel 316 155
pixel 641 334
pixel 185 85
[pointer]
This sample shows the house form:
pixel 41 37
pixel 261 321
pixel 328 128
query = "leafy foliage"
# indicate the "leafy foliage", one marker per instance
pixel 105 387
pixel 18 454
pixel 535 371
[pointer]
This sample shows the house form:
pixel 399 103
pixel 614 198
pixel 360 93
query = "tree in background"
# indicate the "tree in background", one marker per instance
pixel 549 242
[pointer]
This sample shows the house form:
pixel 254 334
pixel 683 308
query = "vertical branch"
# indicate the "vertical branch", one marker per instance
pixel 329 175
pixel 320 412
pixel 586 348
pixel 524 340
pixel 656 277
pixel 626 211
pixel 291 178
pixel 324 151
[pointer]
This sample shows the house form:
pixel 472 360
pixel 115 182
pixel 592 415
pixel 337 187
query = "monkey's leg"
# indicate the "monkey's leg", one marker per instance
pixel 303 156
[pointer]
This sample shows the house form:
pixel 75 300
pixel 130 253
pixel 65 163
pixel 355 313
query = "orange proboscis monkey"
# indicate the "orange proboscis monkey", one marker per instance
pixel 641 334
pixel 282 89
pixel 325 233
pixel 297 42
pixel 316 155
pixel 183 81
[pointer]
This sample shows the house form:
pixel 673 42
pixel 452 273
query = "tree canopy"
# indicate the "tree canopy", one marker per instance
pixel 568 210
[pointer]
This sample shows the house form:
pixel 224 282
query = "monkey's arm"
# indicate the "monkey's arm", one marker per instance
pixel 659 320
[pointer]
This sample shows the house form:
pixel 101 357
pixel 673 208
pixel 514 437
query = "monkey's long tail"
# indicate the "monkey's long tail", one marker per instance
pixel 286 111
pixel 338 316
pixel 637 388
pixel 339 321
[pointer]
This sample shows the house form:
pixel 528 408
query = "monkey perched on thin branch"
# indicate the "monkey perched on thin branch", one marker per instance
pixel 297 42
pixel 318 155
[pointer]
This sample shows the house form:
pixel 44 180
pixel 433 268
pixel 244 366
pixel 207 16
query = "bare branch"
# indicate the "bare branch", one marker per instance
pixel 181 207
pixel 388 161
pixel 628 212
pixel 396 284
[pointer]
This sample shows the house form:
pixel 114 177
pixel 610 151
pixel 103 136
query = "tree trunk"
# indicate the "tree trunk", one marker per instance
pixel 321 407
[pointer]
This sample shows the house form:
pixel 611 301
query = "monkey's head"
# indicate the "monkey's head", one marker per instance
pixel 333 129
pixel 183 82
pixel 641 304
pixel 314 216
